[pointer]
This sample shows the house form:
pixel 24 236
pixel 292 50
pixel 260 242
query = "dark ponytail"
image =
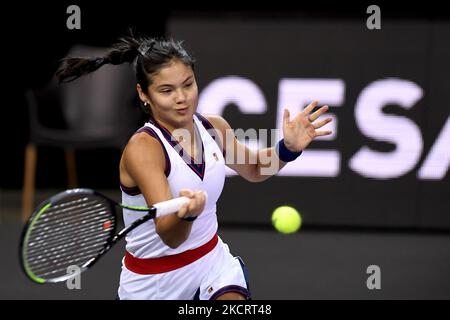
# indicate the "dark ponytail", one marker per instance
pixel 71 68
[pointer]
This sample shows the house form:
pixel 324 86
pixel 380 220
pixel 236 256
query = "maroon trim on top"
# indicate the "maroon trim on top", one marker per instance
pixel 152 133
pixel 208 126
pixel 131 191
pixel 199 169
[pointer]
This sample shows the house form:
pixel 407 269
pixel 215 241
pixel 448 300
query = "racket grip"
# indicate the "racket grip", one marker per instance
pixel 170 206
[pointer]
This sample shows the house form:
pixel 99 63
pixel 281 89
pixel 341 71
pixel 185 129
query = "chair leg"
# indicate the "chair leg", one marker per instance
pixel 29 181
pixel 71 168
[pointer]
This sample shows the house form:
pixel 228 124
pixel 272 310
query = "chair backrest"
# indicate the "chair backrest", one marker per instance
pixel 102 102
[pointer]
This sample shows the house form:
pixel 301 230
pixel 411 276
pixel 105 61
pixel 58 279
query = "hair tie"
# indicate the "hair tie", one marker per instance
pixel 143 48
pixel 99 62
pixel 142 51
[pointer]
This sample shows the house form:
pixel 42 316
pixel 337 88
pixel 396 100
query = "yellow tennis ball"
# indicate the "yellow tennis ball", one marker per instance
pixel 286 219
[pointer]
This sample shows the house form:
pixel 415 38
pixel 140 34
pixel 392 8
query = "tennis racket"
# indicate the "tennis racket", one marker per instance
pixel 75 228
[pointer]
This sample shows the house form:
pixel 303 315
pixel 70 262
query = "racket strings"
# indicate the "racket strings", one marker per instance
pixel 60 232
pixel 69 248
pixel 70 232
pixel 42 238
pixel 54 215
pixel 77 258
pixel 68 255
pixel 73 246
pixel 62 242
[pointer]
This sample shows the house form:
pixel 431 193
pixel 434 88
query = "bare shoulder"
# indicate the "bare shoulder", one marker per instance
pixel 141 141
pixel 143 154
pixel 143 148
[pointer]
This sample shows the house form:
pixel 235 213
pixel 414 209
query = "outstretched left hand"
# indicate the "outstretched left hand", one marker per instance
pixel 299 132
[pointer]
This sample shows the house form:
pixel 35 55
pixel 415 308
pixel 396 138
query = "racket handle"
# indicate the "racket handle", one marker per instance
pixel 170 206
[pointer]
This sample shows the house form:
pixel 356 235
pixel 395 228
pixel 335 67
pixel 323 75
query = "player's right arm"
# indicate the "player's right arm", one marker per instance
pixel 143 164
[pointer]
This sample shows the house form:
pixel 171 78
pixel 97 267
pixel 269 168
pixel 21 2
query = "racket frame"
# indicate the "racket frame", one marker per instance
pixel 162 208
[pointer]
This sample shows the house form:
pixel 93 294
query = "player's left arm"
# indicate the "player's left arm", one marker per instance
pixel 257 166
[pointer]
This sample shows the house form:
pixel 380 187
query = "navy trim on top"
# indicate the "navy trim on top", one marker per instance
pixel 134 191
pixel 199 169
pixel 131 191
pixel 152 133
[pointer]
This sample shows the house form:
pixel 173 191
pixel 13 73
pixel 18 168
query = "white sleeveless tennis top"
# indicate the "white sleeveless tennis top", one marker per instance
pixel 143 242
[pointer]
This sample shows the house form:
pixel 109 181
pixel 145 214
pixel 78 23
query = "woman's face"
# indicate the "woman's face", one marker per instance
pixel 173 94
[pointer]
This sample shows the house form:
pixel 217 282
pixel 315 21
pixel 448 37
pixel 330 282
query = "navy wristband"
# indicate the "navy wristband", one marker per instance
pixel 284 154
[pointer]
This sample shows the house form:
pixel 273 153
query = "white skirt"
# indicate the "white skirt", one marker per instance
pixel 215 273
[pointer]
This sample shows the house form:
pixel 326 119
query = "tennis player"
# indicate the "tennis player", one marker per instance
pixel 178 152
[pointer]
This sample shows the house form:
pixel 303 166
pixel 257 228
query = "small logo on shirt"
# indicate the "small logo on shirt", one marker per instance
pixel 210 289
pixel 215 156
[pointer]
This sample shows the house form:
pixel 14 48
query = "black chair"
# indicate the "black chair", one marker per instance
pixel 99 111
